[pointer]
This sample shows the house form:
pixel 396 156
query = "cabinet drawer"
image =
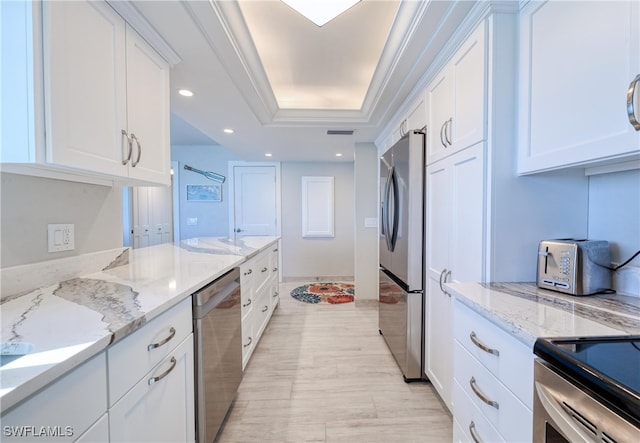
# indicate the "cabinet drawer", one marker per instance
pixel 512 419
pixel 135 355
pixel 68 406
pixel 160 407
pixel 247 296
pixel 513 365
pixel 263 271
pixel 467 416
pixel 273 261
pixel 247 339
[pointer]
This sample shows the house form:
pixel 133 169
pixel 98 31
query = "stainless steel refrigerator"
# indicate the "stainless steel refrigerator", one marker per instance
pixel 401 282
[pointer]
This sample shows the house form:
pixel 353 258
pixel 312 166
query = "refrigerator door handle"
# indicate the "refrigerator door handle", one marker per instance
pixel 385 210
pixel 396 209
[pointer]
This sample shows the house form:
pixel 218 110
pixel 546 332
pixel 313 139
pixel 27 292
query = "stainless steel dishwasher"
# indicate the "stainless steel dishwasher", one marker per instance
pixel 218 352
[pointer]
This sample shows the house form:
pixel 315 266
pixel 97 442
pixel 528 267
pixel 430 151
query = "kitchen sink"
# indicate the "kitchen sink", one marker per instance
pixel 12 351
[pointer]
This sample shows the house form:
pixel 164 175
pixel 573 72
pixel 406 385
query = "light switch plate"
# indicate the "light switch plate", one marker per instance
pixel 61 237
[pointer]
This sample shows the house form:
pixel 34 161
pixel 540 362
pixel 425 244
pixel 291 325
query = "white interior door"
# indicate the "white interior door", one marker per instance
pixel 256 199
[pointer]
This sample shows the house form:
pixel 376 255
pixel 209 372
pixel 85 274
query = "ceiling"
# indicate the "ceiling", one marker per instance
pixel 280 82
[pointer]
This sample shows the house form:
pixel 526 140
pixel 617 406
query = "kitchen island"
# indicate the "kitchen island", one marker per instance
pixel 69 322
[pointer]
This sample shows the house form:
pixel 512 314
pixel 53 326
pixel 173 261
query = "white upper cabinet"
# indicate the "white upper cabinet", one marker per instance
pixel 455 100
pixel 577 63
pixel 147 111
pixel 102 112
pixel 85 85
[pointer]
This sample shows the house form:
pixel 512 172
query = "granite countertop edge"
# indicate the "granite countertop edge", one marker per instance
pixel 528 313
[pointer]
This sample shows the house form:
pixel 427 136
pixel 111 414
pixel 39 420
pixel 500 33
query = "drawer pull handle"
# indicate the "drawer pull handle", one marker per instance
pixel 275 250
pixel 474 434
pixel 266 308
pixel 172 333
pixel 481 394
pixel 246 304
pixel 275 294
pixel 275 269
pixel 631 112
pixel 248 344
pixel 482 346
pixel 264 269
pixel 248 272
pixel 153 380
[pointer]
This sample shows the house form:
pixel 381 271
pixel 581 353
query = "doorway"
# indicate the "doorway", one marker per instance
pixel 255 204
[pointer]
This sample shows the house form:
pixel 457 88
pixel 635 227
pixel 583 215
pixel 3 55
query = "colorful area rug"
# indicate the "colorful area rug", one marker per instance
pixel 332 293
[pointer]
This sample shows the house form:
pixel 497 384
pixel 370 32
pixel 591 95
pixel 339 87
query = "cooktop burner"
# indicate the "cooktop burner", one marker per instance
pixel 607 367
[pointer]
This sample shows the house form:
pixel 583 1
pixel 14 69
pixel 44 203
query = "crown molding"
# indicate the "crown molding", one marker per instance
pixel 131 15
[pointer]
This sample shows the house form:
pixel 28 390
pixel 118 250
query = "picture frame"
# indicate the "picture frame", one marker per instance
pixel 205 193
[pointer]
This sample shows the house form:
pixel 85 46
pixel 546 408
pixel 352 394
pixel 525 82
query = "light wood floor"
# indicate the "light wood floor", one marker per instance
pixel 322 373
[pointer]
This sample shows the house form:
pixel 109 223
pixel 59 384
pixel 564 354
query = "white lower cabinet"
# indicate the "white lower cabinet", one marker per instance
pixel 151 380
pixel 97 433
pixel 64 411
pixel 493 381
pixel 259 278
pixel 160 407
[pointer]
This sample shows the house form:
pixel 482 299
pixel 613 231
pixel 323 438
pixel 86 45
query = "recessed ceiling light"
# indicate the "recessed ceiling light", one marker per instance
pixel 339 154
pixel 320 12
pixel 268 154
pixel 228 131
pixel 185 93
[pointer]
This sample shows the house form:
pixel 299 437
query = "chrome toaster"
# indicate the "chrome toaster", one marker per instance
pixel 575 267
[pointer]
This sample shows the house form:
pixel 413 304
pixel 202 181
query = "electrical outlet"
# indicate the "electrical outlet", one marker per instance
pixel 61 237
pixel 192 221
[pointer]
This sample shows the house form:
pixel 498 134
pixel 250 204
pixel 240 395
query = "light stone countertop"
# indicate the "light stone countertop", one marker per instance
pixel 70 321
pixel 528 312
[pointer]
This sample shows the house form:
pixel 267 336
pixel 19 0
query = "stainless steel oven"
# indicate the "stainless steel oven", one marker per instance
pixel 585 390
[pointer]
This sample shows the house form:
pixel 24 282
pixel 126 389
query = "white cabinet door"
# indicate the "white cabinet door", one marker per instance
pixel 63 409
pixel 438 97
pixel 160 407
pixel 466 229
pixel 438 341
pixel 454 245
pixel 468 90
pixel 147 111
pixel 573 85
pixel 456 100
pixel 85 86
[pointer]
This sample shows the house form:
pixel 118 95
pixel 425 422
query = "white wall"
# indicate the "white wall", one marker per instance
pixel 28 204
pixel 213 217
pixel 614 215
pixel 366 206
pixel 317 257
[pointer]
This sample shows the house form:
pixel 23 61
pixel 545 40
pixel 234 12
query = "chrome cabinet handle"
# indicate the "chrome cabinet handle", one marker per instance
pixel 248 272
pixel 133 137
pixel 275 250
pixel 631 111
pixel 275 294
pixel 481 394
pixel 441 134
pixel 448 137
pixel 264 269
pixel 153 380
pixel 248 344
pixel 472 431
pixel 275 269
pixel 172 333
pixel 247 304
pixel 266 308
pixel 443 278
pixel 125 159
pixel 485 348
